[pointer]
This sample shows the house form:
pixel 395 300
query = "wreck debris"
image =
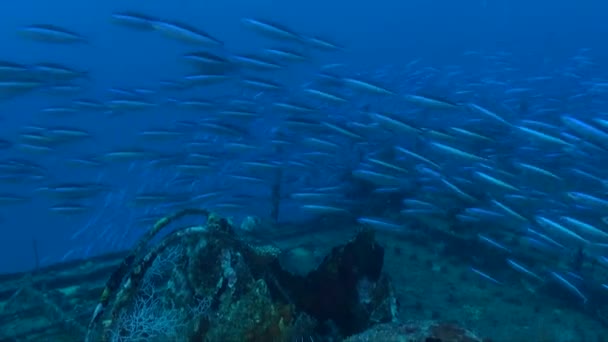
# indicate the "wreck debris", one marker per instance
pixel 205 283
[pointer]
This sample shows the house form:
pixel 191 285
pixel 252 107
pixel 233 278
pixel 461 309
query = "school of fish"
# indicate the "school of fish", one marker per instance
pixel 516 158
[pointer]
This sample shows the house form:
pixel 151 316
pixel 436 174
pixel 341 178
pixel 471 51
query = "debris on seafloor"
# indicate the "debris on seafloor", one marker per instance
pixel 205 283
pixel 348 291
pixel 425 331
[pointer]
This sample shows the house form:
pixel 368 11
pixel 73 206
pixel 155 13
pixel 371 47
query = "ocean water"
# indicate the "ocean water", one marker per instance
pixel 490 116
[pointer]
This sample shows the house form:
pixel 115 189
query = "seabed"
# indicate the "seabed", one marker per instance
pixel 332 282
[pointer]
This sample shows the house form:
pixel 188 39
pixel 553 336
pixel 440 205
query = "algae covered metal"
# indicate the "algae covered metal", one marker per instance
pixel 209 282
pixel 200 282
pixel 205 283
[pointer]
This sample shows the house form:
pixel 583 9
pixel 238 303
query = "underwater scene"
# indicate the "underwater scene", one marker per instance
pixel 304 171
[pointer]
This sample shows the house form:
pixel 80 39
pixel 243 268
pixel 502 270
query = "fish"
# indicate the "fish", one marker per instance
pixel 323 209
pixel 380 223
pixel 495 181
pixel 304 128
pixel 543 136
pixel 69 209
pixel 483 111
pixel 8 199
pixel 585 229
pixel 57 72
pixel 12 71
pixel 285 55
pixel 485 276
pixel 429 102
pixel 553 227
pixel 394 124
pixel 50 33
pixel 322 95
pixel 185 33
pixel 377 178
pixel 569 286
pixel 522 269
pixel 366 86
pixel 458 153
pixel 492 243
pixel 271 29
pixel 323 43
pixel 11 89
pixel 254 62
pixel 134 20
pixel 586 130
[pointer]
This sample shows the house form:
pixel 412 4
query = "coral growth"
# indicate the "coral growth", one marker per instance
pixel 158 296
pixel 247 296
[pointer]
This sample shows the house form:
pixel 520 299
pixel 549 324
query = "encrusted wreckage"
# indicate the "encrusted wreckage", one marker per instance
pixel 207 283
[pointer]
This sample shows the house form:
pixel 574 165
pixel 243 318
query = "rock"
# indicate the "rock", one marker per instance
pixel 348 290
pixel 204 283
pixel 423 331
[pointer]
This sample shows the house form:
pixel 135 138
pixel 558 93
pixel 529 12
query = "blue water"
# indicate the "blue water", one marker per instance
pixel 377 36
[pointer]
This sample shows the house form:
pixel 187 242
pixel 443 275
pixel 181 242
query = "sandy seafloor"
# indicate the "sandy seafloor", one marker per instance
pixel 433 286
